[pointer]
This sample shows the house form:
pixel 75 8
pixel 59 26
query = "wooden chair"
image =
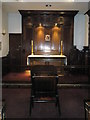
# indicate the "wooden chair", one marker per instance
pixel 44 80
pixel 87 109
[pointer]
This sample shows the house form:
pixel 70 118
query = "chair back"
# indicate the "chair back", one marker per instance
pixel 44 80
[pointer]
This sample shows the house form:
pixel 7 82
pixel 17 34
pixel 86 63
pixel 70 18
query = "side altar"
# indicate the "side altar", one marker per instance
pixel 47 59
pixel 57 60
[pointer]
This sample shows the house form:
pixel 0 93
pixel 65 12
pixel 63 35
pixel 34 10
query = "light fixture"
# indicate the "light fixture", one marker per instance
pixel 40 24
pixel 55 24
pixel 48 5
pixel 4 32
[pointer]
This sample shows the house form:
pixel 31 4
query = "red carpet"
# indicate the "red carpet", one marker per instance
pixel 17 77
pixel 71 101
pixel 24 77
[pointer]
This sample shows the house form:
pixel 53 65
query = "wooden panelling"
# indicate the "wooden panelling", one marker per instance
pixel 15 47
pixel 56 38
pixel 27 36
pixel 5 65
pixel 39 38
pixel 32 30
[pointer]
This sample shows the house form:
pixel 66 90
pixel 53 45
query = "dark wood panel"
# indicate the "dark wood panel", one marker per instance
pixel 67 39
pixel 26 41
pixel 48 12
pixel 5 65
pixel 47 46
pixel 39 38
pixel 15 48
pixel 56 38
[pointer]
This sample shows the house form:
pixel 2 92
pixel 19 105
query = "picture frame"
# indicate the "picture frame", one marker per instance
pixel 47 37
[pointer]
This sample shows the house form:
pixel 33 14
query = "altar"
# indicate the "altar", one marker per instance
pixel 47 59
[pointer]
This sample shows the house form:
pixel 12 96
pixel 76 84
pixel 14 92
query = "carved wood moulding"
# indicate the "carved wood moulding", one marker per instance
pixel 47 18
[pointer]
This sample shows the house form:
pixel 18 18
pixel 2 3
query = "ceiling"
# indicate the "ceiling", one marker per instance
pixel 15 6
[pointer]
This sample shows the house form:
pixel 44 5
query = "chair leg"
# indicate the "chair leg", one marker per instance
pixel 58 104
pixel 85 111
pixel 31 104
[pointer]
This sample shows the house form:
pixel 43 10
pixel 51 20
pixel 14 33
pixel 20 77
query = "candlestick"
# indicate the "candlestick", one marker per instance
pixel 61 47
pixel 31 47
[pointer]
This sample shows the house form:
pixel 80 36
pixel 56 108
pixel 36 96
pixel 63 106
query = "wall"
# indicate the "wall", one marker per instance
pixel 81 31
pixel 5 38
pixel 0 27
pixel 14 23
pixel 0 50
pixel 11 23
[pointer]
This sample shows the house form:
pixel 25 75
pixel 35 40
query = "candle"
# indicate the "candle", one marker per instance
pixel 32 47
pixel 61 42
pixel 32 42
pixel 61 47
